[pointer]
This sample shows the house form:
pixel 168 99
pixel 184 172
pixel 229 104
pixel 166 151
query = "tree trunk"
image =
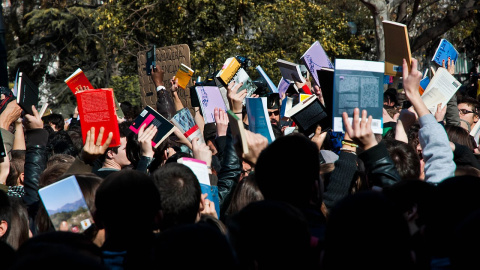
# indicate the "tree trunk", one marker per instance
pixel 380 13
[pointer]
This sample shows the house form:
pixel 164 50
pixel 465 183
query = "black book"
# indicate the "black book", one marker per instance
pixel 325 78
pixel 151 56
pixel 310 113
pixel 27 93
pixel 149 116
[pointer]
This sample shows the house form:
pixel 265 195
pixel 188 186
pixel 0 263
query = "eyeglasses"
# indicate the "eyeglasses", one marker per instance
pixel 277 112
pixel 464 111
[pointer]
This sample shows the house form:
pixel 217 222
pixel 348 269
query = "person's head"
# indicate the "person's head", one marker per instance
pixel 246 192
pixel 54 120
pixel 275 182
pixel 180 192
pixel 273 107
pixel 17 164
pixel 5 216
pixel 468 110
pixel 116 157
pixel 60 158
pixel 390 97
pixel 127 206
pixel 76 137
pixel 209 134
pixel 19 228
pixel 60 143
pixel 457 134
pixel 270 235
pixel 405 158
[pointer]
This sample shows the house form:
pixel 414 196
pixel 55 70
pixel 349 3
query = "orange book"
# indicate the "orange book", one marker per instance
pixel 96 108
pixel 184 74
pixel 77 80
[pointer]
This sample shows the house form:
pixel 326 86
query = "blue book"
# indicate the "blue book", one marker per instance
pixel 258 119
pixel 445 50
pixel 315 59
pixel 358 84
pixel 283 86
pixel 270 84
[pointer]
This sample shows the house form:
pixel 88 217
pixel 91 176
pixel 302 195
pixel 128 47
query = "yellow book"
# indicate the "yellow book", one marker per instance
pixel 229 69
pixel 184 74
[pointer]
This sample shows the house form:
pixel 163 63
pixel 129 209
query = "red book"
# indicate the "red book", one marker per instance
pixel 77 80
pixel 96 108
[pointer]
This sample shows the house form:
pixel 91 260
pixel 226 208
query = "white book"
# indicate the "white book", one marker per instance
pixel 440 89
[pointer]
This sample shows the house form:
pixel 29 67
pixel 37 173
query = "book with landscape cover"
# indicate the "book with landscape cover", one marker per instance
pixel 66 206
pixel 238 130
pixel 27 93
pixel 96 108
pixel 149 116
pixel 184 74
pixel 78 80
pixel 229 69
pixel 445 50
pixel 397 48
pixel 151 56
pixel 290 71
pixel 358 84
pixel 440 89
pixel 210 98
pixel 258 118
pixel 308 114
pixel 184 121
pixel 270 84
pixel 200 169
pixel 315 59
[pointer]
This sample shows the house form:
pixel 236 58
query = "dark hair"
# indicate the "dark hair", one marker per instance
pixel 247 191
pixel 77 140
pixel 180 194
pixel 5 213
pixel 457 134
pixel 405 158
pixel 60 143
pixel 472 102
pixel 19 228
pixel 55 119
pixel 60 158
pixel 276 183
pixel 17 164
pixel 390 95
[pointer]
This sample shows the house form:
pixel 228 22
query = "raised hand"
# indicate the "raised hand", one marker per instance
pixel 33 121
pixel 451 66
pixel 145 137
pixel 319 137
pixel 256 143
pixel 221 120
pixel 411 84
pixel 93 148
pixel 201 151
pixel 157 75
pixel 360 131
pixel 236 99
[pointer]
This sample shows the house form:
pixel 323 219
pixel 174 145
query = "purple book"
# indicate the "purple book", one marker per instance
pixel 314 59
pixel 210 98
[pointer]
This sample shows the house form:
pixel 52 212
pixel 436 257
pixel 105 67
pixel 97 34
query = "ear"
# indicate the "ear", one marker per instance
pixel 201 207
pixel 3 228
pixel 110 154
pixel 21 177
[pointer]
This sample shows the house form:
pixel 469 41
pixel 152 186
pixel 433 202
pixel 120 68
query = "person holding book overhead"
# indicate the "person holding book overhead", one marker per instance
pixel 165 104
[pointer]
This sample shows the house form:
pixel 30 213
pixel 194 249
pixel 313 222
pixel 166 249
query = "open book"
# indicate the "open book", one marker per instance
pixel 66 205
pixel 397 48
pixel 149 116
pixel 440 89
pixel 290 71
pixel 258 118
pixel 27 93
pixel 309 113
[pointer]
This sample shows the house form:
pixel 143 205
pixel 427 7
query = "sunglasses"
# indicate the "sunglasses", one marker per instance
pixel 277 112
pixel 464 111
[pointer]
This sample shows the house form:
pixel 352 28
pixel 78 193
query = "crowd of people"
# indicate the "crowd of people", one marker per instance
pixel 404 199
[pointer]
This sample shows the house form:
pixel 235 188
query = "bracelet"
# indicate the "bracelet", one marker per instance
pixel 237 112
pixel 349 141
pixel 350 144
pixel 348 150
pixel 160 87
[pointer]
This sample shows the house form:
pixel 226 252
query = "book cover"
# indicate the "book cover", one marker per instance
pixel 27 93
pixel 287 104
pixel 184 121
pixel 242 77
pixel 149 116
pixel 96 108
pixel 445 50
pixel 66 205
pixel 440 89
pixel 304 97
pixel 423 85
pixel 199 168
pixel 238 130
pixel 397 47
pixel 282 87
pixel 210 98
pixel 475 132
pixel 223 91
pixel 151 56
pixel 78 80
pixel 270 84
pixel 184 74
pixel 358 84
pixel 290 71
pixel 258 119
pixel 229 69
pixel 315 59
pixel 308 114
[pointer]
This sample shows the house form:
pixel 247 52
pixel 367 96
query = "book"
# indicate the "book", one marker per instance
pixel 151 55
pixel 258 118
pixel 423 85
pixel 223 91
pixel 475 132
pixel 325 77
pixel 308 114
pixel 229 69
pixel 287 104
pixel 77 80
pixel 200 169
pixel 184 121
pixel 445 50
pixel 242 77
pixel 210 98
pixel 282 87
pixel 238 130
pixel 358 84
pixel 184 74
pixel 304 97
pixel 270 84
pixel 42 110
pixel 149 116
pixel 315 59
pixel 66 206
pixel 397 48
pixel 96 108
pixel 290 71
pixel 440 89
pixel 27 93
pixel 15 84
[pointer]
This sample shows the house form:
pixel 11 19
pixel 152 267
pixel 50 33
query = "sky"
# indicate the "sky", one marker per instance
pixel 60 193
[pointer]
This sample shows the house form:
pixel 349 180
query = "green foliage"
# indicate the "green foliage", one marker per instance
pixel 126 88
